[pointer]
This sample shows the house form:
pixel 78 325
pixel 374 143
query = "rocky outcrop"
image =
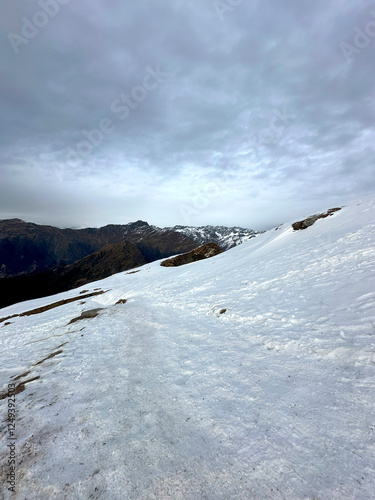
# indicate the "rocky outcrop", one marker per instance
pixel 304 224
pixel 200 253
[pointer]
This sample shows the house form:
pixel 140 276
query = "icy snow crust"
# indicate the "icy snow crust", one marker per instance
pixel 165 398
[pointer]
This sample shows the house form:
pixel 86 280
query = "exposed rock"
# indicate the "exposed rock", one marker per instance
pixel 91 313
pixel 48 307
pixel 200 253
pixel 121 301
pixel 304 224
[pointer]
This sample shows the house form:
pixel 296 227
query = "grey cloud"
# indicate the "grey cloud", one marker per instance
pixel 227 80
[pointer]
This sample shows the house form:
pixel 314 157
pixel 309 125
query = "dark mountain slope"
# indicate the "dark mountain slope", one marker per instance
pixel 110 259
pixel 27 247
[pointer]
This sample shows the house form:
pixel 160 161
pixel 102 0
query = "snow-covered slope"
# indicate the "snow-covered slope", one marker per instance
pixel 225 237
pixel 169 397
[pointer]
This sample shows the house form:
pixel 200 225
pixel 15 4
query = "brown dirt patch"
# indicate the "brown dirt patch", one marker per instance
pixel 52 306
pixel 49 357
pixel 21 376
pixel 19 387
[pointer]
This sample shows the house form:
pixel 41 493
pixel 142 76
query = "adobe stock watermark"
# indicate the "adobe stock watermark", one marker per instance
pixel 202 198
pixel 11 438
pixel 277 124
pixel 214 189
pixel 222 7
pixel 31 27
pixel 362 39
pixel 121 108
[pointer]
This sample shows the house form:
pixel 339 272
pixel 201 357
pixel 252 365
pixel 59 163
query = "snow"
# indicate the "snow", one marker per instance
pixel 165 398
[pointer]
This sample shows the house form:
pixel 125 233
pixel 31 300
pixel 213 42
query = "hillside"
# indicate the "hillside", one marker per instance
pixel 109 260
pixel 249 375
pixel 26 247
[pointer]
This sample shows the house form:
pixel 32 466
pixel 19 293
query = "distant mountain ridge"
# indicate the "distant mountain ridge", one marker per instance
pixel 38 260
pixel 225 237
pixel 26 247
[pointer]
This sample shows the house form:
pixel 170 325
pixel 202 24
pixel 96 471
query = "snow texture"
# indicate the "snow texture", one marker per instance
pixel 168 397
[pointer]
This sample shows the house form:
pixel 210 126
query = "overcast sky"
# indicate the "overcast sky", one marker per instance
pixel 191 112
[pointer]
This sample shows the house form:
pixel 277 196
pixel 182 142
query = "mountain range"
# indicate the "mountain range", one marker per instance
pixel 38 260
pixel 27 247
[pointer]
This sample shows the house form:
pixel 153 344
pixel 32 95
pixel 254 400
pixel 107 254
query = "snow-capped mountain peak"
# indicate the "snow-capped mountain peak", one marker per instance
pixel 225 237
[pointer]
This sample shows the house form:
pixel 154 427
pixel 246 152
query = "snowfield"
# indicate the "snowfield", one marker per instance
pixel 169 397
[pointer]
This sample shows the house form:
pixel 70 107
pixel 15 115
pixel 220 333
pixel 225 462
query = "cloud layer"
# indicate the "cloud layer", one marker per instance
pixel 224 112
